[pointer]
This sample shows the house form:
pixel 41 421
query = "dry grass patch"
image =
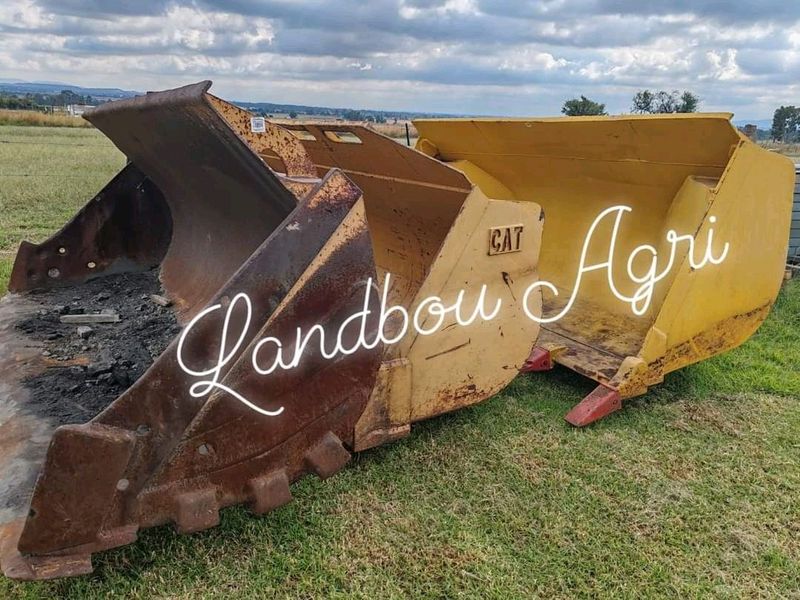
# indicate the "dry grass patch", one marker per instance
pixel 32 118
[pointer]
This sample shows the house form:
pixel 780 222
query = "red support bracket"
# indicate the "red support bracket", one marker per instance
pixel 540 359
pixel 601 402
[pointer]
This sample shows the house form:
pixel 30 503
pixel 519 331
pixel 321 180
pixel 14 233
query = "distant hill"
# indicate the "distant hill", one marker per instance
pixel 350 114
pixel 28 87
pixel 14 86
pixel 10 86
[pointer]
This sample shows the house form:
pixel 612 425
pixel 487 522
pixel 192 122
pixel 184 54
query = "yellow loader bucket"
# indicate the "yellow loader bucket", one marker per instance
pixel 428 226
pixel 673 189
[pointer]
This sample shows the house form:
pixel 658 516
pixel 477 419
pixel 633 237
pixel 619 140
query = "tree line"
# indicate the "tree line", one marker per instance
pixel 43 101
pixel 643 102
pixel 786 124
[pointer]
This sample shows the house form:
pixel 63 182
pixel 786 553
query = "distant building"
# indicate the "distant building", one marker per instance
pixel 77 110
pixel 751 131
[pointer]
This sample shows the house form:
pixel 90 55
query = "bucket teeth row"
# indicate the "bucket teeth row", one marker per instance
pixel 328 457
pixel 196 511
pixel 269 491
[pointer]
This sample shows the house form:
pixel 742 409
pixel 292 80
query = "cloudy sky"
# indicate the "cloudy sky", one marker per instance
pixel 466 56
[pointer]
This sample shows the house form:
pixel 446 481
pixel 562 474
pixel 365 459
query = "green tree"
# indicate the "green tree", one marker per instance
pixel 643 102
pixel 785 123
pixel 13 102
pixel 68 97
pixel 352 115
pixel 689 103
pixel 666 102
pixel 647 102
pixel 583 106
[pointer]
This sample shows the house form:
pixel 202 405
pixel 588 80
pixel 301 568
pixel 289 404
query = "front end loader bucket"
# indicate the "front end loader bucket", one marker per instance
pixel 432 230
pixel 689 174
pixel 256 232
pixel 199 202
pixel 259 233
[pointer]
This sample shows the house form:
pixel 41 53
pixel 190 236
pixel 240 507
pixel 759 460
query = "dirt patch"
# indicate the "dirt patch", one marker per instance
pixel 88 369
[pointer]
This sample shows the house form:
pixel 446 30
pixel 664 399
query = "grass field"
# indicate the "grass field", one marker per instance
pixel 693 490
pixel 39 119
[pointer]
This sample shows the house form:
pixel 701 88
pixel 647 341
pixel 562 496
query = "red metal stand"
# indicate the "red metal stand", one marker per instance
pixel 601 402
pixel 539 360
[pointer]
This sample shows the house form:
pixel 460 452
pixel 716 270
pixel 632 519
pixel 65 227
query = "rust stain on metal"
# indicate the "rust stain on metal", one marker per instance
pixel 274 139
pixel 453 349
pixel 126 227
pixel 213 183
pixel 240 447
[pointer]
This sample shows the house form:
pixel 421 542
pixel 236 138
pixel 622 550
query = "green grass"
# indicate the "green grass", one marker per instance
pixel 46 174
pixel 692 490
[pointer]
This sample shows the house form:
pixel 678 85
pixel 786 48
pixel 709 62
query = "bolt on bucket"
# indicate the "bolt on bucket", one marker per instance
pixel 692 208
pixel 197 204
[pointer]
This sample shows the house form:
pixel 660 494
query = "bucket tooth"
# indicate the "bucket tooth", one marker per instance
pixel 196 511
pixel 269 491
pixel 540 359
pixel 601 402
pixel 328 457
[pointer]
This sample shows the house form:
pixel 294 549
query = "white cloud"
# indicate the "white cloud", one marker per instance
pixel 472 56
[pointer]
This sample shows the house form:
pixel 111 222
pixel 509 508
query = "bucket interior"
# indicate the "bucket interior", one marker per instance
pixel 411 201
pixel 664 169
pixel 224 203
pixel 221 203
